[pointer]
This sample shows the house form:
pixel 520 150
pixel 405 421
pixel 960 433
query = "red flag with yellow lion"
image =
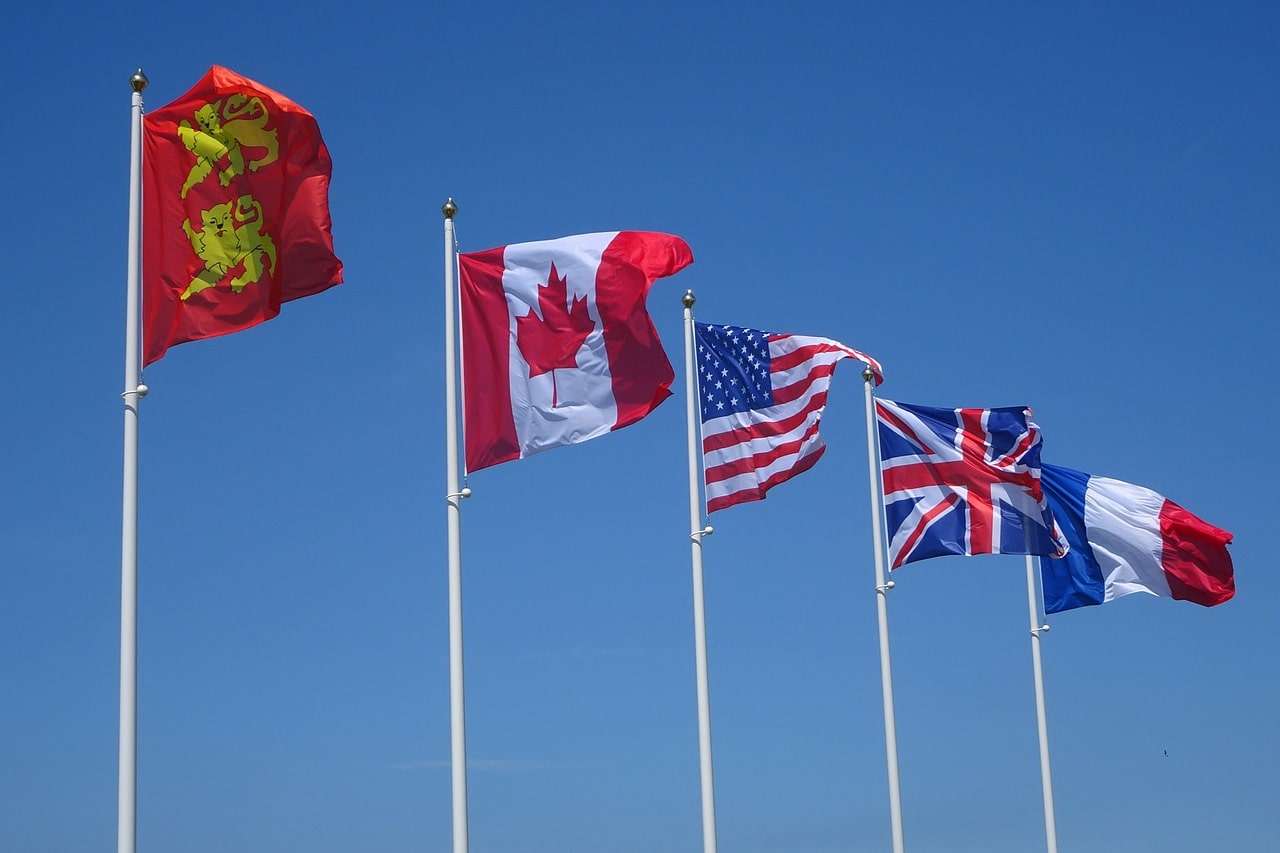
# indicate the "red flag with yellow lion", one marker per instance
pixel 236 211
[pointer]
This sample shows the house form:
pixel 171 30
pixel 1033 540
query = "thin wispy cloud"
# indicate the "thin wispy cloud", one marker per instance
pixel 591 652
pixel 497 764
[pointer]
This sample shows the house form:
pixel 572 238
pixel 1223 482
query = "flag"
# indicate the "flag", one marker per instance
pixel 236 211
pixel 962 481
pixel 557 345
pixel 762 397
pixel 1126 538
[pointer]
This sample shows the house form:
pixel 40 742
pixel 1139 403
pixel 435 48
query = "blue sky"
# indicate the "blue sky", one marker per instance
pixel 1073 208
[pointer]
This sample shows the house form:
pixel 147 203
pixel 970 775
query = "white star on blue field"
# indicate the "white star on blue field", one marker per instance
pixel 734 370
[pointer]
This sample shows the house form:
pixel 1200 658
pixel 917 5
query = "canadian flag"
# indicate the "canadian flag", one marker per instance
pixel 557 345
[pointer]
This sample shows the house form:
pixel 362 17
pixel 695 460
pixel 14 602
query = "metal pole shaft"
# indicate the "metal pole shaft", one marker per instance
pixel 696 532
pixel 882 615
pixel 453 500
pixel 126 806
pixel 1042 725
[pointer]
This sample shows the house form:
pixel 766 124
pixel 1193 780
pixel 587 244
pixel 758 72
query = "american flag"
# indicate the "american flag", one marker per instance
pixel 963 481
pixel 762 397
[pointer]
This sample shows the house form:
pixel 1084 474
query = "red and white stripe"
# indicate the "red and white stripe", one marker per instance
pixel 747 453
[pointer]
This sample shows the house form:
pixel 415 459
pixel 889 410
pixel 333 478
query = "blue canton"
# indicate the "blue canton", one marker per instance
pixel 733 370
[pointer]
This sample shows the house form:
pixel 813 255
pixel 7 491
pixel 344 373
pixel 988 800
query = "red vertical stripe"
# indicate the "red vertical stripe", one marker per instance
pixel 641 373
pixel 1195 558
pixel 486 345
pixel 974 449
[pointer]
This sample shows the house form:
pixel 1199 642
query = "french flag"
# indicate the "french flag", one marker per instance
pixel 1126 538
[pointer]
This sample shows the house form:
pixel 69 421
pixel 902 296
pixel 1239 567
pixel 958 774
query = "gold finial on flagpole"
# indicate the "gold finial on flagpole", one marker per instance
pixel 138 81
pixel 687 300
pixel 449 208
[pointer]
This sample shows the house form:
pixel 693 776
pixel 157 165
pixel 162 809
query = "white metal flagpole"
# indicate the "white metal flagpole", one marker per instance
pixel 1046 782
pixel 453 500
pixel 126 806
pixel 696 532
pixel 882 614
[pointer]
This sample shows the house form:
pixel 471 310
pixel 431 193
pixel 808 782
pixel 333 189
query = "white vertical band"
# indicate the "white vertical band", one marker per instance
pixel 1122 527
pixel 882 616
pixel 559 406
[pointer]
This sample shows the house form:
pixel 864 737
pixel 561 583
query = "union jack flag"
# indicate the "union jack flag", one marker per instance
pixel 963 481
pixel 762 398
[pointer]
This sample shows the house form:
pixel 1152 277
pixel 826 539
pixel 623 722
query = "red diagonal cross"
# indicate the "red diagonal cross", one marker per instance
pixel 974 473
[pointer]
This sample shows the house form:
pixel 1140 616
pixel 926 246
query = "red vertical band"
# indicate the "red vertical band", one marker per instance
pixel 973 446
pixel 641 373
pixel 486 346
pixel 1195 558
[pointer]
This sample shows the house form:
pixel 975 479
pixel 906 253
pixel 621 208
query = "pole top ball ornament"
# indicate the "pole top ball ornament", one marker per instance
pixel 138 81
pixel 449 208
pixel 687 300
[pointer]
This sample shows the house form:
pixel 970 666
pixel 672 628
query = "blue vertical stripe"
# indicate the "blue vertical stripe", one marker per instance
pixel 1076 579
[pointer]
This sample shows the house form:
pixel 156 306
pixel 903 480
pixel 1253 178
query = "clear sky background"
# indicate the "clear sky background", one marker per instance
pixel 1074 208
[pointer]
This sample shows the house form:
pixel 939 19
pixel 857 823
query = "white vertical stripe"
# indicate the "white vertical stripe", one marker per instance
pixel 1122 525
pixel 585 407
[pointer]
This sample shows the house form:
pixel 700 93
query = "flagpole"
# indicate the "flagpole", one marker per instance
pixel 453 500
pixel 696 532
pixel 882 615
pixel 1042 725
pixel 127 790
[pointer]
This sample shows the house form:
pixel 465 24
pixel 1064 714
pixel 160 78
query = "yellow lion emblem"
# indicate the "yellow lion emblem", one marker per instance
pixel 230 234
pixel 225 128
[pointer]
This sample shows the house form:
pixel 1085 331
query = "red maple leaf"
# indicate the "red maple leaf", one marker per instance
pixel 553 340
